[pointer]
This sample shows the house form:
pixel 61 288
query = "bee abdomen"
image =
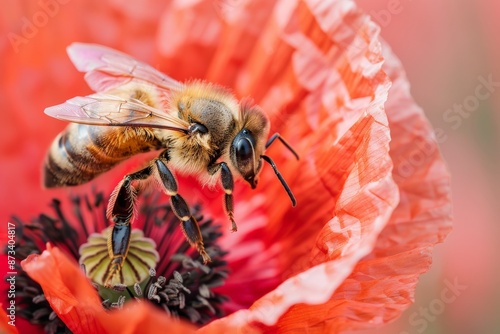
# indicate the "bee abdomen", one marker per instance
pixel 82 152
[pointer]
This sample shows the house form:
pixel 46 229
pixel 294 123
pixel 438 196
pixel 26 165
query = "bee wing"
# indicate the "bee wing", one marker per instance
pixel 104 109
pixel 107 68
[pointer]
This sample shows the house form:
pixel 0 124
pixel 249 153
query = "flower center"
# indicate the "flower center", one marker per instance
pixel 141 257
pixel 160 267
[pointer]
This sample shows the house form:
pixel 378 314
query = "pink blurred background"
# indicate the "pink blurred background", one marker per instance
pixel 448 48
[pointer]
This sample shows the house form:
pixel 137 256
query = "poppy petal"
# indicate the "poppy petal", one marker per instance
pixel 66 288
pixel 141 318
pixel 343 183
pixel 382 285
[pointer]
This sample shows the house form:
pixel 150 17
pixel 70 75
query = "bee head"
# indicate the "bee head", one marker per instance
pixel 248 147
pixel 249 143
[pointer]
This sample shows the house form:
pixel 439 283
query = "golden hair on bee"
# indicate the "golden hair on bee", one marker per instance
pixel 200 90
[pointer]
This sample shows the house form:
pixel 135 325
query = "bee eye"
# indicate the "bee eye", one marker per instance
pixel 242 153
pixel 244 149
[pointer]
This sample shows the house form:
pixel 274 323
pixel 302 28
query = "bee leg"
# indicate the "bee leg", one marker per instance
pixel 120 211
pixel 189 225
pixel 228 185
pixel 118 245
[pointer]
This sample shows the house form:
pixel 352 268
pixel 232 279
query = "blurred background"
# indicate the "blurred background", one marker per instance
pixel 450 50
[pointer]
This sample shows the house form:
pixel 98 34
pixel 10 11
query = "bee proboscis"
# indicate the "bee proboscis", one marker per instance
pixel 198 127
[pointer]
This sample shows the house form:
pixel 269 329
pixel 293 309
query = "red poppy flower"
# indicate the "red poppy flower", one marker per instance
pixel 372 189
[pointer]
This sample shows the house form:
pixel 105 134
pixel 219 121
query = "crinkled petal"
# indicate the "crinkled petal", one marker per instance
pixel 343 182
pixel 66 288
pixel 382 285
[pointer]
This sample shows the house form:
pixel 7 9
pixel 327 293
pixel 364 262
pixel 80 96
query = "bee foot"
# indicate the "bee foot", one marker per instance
pixel 234 228
pixel 205 256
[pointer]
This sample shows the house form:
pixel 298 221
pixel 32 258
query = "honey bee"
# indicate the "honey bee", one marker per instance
pixel 199 128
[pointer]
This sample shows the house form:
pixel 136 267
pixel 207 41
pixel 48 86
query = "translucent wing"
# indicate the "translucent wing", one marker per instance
pixel 104 109
pixel 107 68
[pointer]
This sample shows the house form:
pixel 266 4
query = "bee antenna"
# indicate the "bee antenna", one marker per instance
pixel 282 180
pixel 277 136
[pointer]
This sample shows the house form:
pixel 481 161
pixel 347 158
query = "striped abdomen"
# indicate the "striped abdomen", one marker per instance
pixel 82 152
